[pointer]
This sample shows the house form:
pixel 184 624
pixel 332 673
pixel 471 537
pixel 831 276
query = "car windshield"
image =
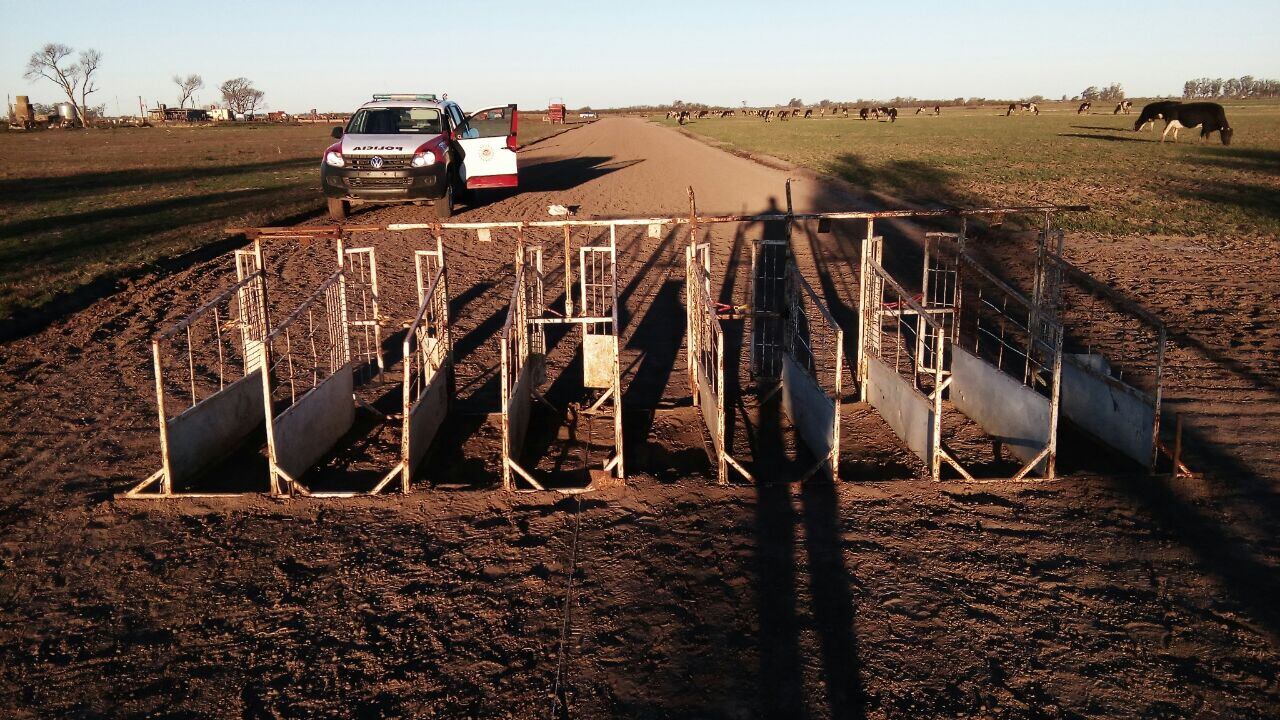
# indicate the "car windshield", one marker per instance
pixel 395 120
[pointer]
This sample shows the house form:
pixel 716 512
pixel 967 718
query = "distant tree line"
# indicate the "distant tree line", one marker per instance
pixel 1241 87
pixel 1111 93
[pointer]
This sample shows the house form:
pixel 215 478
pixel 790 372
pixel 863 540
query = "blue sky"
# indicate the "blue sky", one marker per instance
pixel 332 55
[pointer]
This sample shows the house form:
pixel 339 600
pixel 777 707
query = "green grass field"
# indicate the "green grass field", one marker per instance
pixel 78 207
pixel 967 157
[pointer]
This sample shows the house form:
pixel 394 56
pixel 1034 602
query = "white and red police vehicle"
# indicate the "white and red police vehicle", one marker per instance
pixel 406 148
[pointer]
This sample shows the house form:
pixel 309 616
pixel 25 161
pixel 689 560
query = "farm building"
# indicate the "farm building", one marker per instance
pixel 164 113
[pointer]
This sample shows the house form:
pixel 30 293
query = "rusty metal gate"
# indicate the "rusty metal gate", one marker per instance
pixel 592 305
pixel 769 265
pixel 208 388
pixel 522 346
pixel 1113 379
pixel 704 339
pixel 310 379
pixel 928 333
pixel 796 348
pixel 812 372
pixel 428 364
pixel 916 353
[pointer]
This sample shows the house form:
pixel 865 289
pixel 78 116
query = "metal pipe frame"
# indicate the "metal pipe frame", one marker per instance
pixel 331 299
pixel 1052 272
pixel 328 295
pixel 799 346
pixel 250 295
pixel 705 352
pixel 427 352
pixel 693 220
pixel 522 342
pixel 876 284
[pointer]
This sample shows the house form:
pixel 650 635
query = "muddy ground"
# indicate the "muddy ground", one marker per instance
pixel 1103 594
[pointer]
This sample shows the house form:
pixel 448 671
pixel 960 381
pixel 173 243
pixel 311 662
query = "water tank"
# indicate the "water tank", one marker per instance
pixel 66 111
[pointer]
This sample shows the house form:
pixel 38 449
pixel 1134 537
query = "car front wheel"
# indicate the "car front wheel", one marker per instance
pixel 338 209
pixel 444 206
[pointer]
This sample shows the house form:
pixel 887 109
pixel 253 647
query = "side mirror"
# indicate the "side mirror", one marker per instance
pixel 337 133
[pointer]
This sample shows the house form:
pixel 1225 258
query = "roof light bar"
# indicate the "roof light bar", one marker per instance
pixel 425 97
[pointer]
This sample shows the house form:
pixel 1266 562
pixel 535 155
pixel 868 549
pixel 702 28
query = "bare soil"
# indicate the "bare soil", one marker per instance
pixel 1103 594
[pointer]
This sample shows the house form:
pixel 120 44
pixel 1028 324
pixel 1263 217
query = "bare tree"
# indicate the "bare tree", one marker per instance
pixel 187 87
pixel 49 63
pixel 88 65
pixel 240 95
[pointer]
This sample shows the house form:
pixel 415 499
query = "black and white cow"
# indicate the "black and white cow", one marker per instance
pixel 808 113
pixel 1151 112
pixel 1209 117
pixel 1123 107
pixel 1024 106
pixel 863 113
pixel 1084 107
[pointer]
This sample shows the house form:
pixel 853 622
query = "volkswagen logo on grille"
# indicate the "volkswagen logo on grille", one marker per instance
pixel 375 162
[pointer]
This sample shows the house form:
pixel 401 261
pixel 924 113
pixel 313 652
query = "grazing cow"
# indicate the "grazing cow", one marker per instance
pixel 1023 106
pixel 1151 112
pixel 1084 107
pixel 885 111
pixel 863 113
pixel 937 109
pixel 919 110
pixel 844 111
pixel 808 114
pixel 1209 117
pixel 1123 106
pixel 784 114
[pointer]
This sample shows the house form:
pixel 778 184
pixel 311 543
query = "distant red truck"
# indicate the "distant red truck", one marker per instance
pixel 556 113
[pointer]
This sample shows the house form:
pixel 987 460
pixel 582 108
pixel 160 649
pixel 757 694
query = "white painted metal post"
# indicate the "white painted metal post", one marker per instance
pixel 864 307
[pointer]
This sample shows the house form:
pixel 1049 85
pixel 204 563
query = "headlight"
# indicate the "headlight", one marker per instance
pixel 423 159
pixel 334 159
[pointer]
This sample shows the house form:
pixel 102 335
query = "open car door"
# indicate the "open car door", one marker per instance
pixel 488 141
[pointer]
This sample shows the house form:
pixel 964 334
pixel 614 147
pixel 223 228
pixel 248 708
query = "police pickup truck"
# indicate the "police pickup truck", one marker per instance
pixel 403 148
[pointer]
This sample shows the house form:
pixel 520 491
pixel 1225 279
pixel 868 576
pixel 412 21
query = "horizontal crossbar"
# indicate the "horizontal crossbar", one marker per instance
pixel 332 230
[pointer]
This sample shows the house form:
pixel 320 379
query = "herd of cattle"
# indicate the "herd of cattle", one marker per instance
pixel 1209 117
pixel 767 114
pixel 1124 106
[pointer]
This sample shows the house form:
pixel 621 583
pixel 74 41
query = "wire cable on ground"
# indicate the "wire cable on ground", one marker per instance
pixel 560 703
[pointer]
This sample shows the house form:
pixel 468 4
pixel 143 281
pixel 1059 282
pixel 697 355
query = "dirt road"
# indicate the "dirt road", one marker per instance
pixel 885 596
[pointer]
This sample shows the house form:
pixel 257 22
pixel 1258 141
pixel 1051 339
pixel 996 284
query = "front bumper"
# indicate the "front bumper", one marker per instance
pixel 426 183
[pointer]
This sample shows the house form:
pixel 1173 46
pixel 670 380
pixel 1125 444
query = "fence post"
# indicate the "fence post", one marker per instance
pixel 864 305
